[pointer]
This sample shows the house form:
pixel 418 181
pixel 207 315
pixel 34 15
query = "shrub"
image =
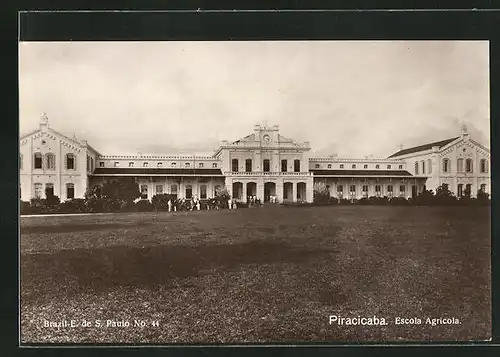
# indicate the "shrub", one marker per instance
pixel 25 207
pixel 398 201
pixel 160 202
pixel 222 196
pixel 143 206
pixel 321 194
pixel 75 205
pixel 483 198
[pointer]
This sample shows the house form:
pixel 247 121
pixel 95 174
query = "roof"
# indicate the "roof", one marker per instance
pixel 360 173
pixel 429 146
pixel 154 171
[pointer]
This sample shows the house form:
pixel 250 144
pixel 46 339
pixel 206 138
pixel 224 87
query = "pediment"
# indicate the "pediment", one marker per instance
pixel 247 139
pixel 52 135
pixel 464 147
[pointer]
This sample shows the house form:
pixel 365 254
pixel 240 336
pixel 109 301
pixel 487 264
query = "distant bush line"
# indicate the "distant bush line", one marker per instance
pixel 123 196
pixel 442 197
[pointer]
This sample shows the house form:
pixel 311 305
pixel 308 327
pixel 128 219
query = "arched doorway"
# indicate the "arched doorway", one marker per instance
pixel 269 190
pixel 251 189
pixel 301 191
pixel 288 191
pixel 237 190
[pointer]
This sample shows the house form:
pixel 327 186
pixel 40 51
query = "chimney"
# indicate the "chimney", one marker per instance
pixel 465 133
pixel 44 122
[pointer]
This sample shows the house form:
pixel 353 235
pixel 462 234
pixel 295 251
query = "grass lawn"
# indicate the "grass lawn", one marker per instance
pixel 257 275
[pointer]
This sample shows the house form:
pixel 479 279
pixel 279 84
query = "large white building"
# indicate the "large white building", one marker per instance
pixel 262 164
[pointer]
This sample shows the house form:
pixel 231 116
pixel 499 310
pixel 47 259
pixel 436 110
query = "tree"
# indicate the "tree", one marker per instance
pixel 444 196
pixel 321 194
pixel 483 197
pixel 222 196
pixel 160 202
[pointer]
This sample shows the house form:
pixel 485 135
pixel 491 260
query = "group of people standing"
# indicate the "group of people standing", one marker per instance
pixel 195 204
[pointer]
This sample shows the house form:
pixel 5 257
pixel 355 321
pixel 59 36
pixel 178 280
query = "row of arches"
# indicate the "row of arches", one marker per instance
pixel 270 190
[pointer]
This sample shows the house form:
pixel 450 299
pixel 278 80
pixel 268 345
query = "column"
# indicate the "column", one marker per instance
pixel 309 191
pixel 260 190
pixel 279 190
pixel 244 194
pixel 294 191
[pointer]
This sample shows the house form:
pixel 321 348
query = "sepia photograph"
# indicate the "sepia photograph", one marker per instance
pixel 254 192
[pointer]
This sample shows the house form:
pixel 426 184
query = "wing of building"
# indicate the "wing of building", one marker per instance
pixel 264 164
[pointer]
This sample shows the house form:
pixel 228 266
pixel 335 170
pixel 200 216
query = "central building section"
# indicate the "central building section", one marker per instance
pixel 268 166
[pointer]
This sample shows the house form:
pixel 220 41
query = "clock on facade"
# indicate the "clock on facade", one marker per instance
pixel 267 138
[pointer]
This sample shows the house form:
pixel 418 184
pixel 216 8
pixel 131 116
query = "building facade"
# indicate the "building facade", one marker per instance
pixel 264 164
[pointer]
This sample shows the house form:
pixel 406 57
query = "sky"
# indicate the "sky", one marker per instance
pixel 350 98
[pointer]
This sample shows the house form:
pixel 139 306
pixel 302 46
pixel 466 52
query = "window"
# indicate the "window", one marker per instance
pixel 70 191
pixel 49 189
pixel 468 165
pixel 248 165
pixel 173 191
pixel 389 188
pixel 214 165
pixel 296 165
pixel 38 160
pixel 159 189
pixel 144 192
pixel 483 166
pixel 160 164
pixel 130 164
pixel 38 190
pixel 388 167
pixel 353 166
pixel 377 166
pixel 468 190
pixel 88 163
pixel 145 164
pixel 483 187
pixel 267 165
pixel 416 168
pixel 402 190
pixel 460 165
pixel 92 164
pixel 203 191
pixel 423 167
pixel 352 188
pixel 173 164
pixel 400 167
pixel 187 164
pixel 460 190
pixel 117 164
pixel 365 166
pixel 50 161
pixel 284 165
pixel 189 191
pixel 329 166
pixel 446 165
pixel 365 188
pixel 377 188
pixel 234 165
pixel 341 166
pixel 200 165
pixel 340 188
pixel 101 164
pixel 316 166
pixel 70 162
pixel 429 166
